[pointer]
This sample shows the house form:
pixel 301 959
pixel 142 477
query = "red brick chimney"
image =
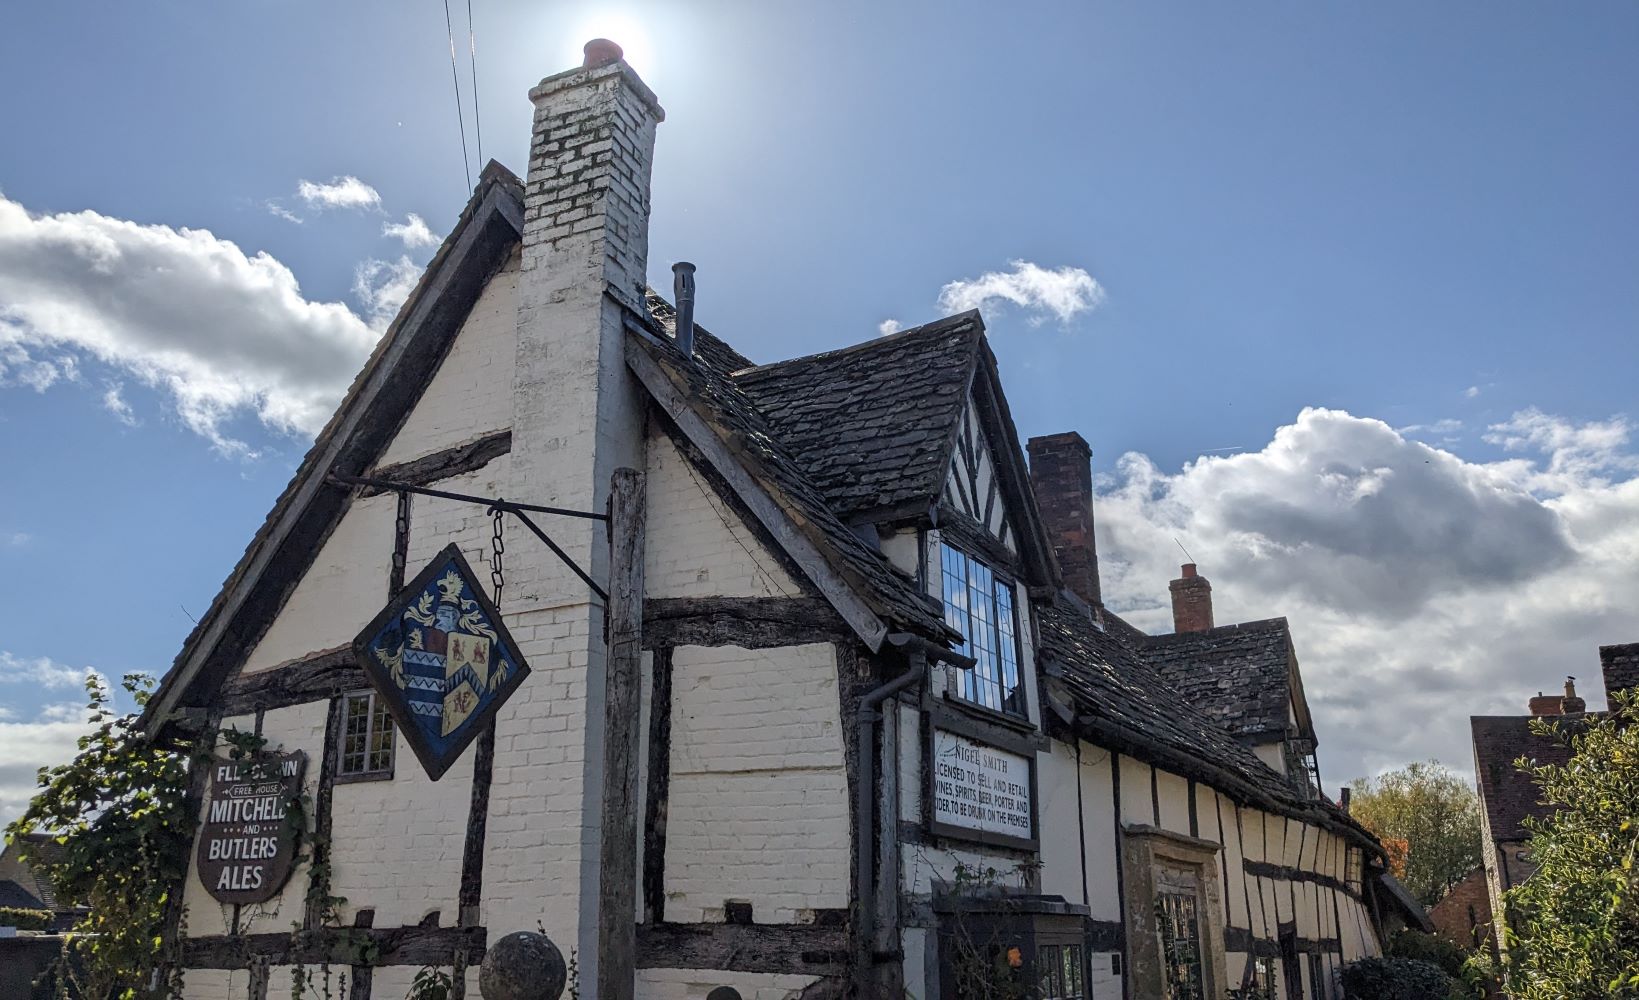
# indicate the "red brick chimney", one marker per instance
pixel 1061 474
pixel 1191 601
pixel 1547 704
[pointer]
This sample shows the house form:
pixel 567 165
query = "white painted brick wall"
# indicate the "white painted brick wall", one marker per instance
pixel 758 807
pixel 471 393
pixel 697 545
pixel 694 984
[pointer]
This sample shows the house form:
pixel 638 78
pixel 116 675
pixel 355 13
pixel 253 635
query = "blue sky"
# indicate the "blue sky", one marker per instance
pixel 1319 234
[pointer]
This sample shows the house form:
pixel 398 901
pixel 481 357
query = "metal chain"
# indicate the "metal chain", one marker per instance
pixel 496 552
pixel 401 543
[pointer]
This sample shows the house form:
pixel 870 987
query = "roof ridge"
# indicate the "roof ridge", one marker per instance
pixel 938 326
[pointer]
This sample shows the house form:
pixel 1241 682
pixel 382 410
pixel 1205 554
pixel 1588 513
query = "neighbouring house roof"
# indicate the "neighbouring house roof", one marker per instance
pixel 1242 676
pixel 1395 895
pixel 1120 699
pixel 15 896
pixel 1507 794
pixel 873 425
pixel 15 871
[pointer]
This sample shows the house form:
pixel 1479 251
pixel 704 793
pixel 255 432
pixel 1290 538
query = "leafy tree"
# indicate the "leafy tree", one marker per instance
pixel 118 810
pixel 1434 812
pixel 1574 923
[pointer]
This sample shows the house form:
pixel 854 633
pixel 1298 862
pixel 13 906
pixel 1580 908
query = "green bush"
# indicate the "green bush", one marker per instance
pixel 25 920
pixel 1394 979
pixel 1428 948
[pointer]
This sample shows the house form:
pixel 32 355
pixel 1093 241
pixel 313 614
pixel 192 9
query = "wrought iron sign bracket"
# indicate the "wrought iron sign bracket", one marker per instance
pixel 519 510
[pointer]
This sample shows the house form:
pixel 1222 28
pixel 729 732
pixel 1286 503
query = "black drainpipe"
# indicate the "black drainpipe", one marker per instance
pixel 920 652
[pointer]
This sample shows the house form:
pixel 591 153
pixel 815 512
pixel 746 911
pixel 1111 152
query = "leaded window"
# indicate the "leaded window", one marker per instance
pixel 1178 925
pixel 367 737
pixel 979 604
pixel 1060 972
pixel 1351 869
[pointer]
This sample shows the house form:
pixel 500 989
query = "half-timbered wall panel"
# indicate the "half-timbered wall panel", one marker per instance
pixel 697 545
pixel 1172 795
pixel 1098 818
pixel 470 394
pixel 1137 804
pixel 1058 799
pixel 971 485
pixel 758 808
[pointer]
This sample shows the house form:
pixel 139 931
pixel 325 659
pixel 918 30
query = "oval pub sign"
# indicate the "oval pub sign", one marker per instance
pixel 249 838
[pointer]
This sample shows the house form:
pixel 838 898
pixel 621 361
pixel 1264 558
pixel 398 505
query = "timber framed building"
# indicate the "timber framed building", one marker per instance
pixel 872 729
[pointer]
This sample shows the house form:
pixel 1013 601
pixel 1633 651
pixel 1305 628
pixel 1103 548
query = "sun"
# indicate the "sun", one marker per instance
pixel 620 27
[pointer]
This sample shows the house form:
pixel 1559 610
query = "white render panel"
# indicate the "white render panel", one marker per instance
pixel 1137 806
pixel 1172 792
pixel 1233 866
pixel 1058 823
pixel 694 984
pixel 340 592
pixel 697 546
pixel 1098 821
pixel 758 807
pixel 470 394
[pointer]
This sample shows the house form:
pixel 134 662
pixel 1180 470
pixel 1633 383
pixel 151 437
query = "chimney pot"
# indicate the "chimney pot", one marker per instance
pixel 601 52
pixel 1191 601
pixel 1571 704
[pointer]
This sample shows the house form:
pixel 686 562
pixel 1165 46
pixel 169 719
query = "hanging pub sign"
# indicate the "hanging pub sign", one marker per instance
pixel 248 843
pixel 441 660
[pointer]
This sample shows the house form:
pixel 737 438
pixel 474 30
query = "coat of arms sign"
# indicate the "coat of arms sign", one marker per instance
pixel 441 659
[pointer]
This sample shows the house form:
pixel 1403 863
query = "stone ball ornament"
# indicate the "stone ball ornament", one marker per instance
pixel 523 965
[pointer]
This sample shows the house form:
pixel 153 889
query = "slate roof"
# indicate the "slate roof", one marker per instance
pixel 1238 675
pixel 1507 794
pixel 1127 703
pixel 708 389
pixel 15 896
pixel 872 425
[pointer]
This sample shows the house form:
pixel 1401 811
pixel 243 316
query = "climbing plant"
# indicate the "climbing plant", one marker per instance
pixel 118 821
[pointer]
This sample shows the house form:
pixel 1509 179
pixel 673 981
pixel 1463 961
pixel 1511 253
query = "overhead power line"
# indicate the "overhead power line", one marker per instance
pixel 455 77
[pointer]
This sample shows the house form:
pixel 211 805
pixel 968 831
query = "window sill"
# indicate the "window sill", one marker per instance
pixel 353 779
pixel 978 711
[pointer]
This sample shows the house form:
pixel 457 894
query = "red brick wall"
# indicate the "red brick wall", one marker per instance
pixel 1463 915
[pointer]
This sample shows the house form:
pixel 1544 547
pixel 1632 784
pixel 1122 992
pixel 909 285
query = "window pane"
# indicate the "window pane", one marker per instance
pixel 1072 972
pixel 381 737
pixel 355 733
pixel 1008 649
pixel 1050 972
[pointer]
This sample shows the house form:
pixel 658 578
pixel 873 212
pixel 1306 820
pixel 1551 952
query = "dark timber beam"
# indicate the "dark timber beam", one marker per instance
pixel 751 622
pixel 338 946
pixel 429 469
pixel 797 949
pixel 617 875
pixel 318 677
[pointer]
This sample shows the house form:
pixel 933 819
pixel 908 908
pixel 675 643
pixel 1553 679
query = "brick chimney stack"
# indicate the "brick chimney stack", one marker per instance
pixel 1571 704
pixel 1191 601
pixel 1547 704
pixel 1061 474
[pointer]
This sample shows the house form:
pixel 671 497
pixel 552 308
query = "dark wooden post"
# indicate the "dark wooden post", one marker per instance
pixel 617 903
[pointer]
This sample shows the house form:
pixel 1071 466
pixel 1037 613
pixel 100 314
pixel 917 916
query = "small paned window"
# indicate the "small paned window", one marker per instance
pixel 367 737
pixel 1178 925
pixel 1351 869
pixel 1263 978
pixel 1060 972
pixel 1317 978
pixel 979 604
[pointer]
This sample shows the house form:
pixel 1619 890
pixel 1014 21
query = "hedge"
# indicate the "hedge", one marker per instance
pixel 24 919
pixel 1394 979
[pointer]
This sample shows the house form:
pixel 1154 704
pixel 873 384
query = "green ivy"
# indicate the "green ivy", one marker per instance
pixel 118 815
pixel 24 919
pixel 1573 926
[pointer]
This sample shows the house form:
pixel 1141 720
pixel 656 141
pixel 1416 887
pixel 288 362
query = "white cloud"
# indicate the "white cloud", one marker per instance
pixel 1420 586
pixel 1471 391
pixel 1063 293
pixel 220 332
pixel 889 327
pixel 383 286
pixel 279 211
pixel 113 400
pixel 340 192
pixel 41 672
pixel 48 739
pixel 412 231
pixel 15 538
